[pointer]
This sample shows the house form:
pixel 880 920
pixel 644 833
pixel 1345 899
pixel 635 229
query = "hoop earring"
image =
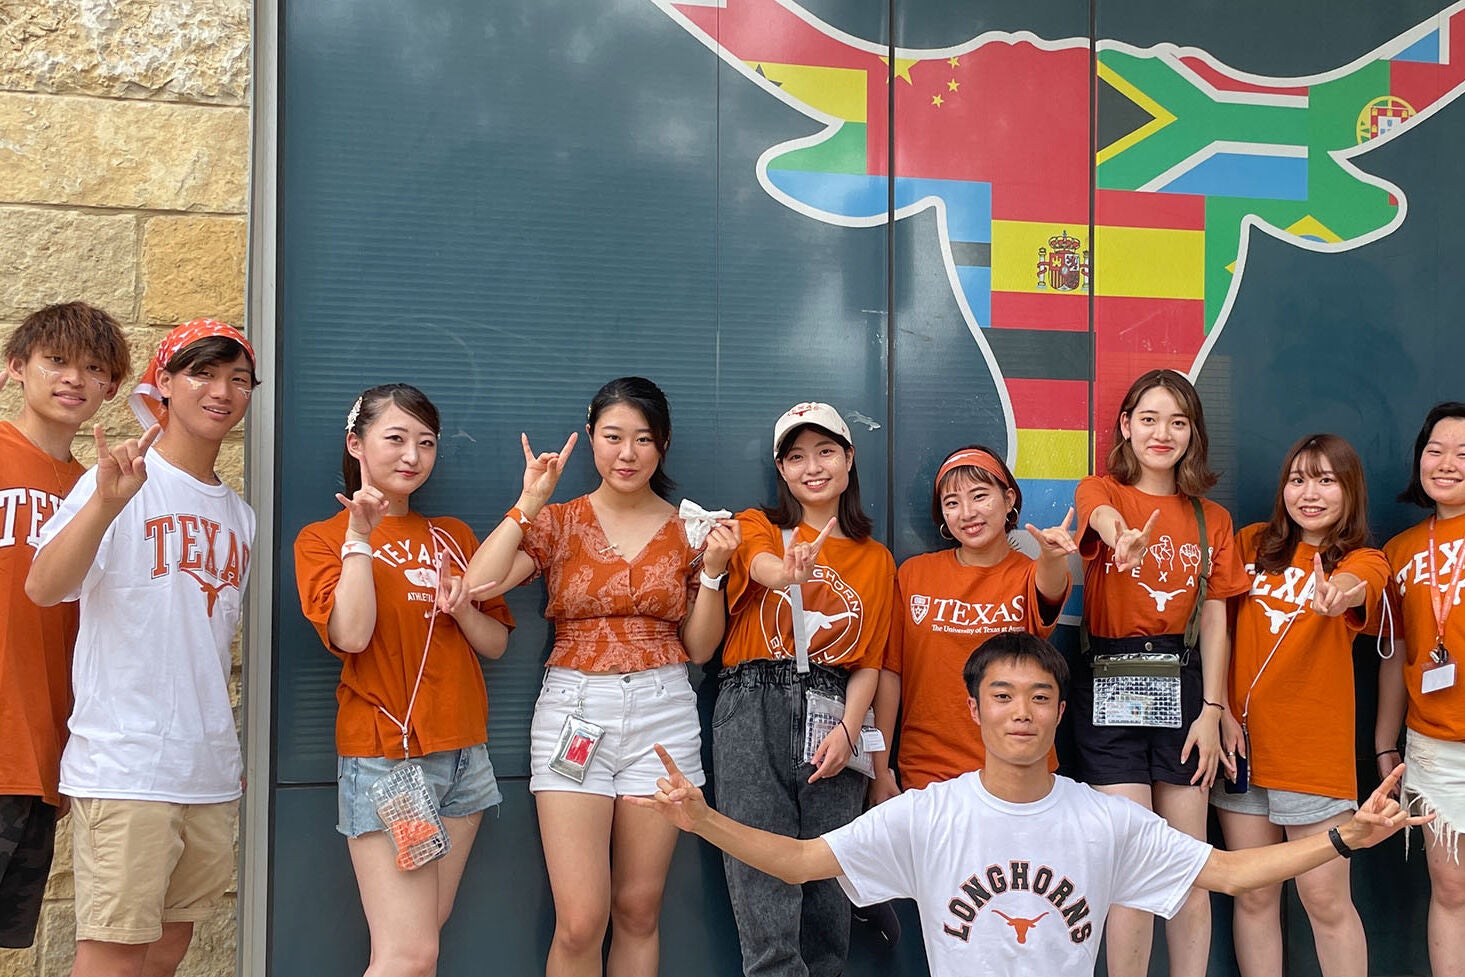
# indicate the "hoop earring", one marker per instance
pixel 945 533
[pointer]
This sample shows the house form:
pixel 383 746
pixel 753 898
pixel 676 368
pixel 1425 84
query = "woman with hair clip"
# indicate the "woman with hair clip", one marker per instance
pixel 810 598
pixel 948 602
pixel 1422 687
pixel 1315 584
pixel 632 600
pixel 384 587
pixel 1148 698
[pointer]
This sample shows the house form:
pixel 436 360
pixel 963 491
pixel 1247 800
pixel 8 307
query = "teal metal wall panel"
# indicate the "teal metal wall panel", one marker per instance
pixel 508 204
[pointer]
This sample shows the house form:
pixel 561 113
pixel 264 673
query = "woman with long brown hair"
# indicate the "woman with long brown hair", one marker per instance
pixel 1159 565
pixel 1315 582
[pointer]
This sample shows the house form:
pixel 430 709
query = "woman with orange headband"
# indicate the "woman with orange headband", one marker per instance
pixel 950 601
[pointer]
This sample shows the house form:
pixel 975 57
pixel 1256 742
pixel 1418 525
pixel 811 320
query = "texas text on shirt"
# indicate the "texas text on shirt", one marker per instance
pixel 1439 714
pixel 35 642
pixel 168 577
pixel 944 609
pixel 1301 706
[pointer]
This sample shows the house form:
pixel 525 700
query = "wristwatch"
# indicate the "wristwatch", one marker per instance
pixel 712 583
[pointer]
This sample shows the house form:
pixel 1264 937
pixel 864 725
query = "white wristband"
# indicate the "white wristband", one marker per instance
pixel 712 583
pixel 354 547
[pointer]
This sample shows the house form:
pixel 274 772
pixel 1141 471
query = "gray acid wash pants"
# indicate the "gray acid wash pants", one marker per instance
pixel 757 742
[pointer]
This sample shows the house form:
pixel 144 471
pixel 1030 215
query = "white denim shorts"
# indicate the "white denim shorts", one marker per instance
pixel 1434 783
pixel 637 709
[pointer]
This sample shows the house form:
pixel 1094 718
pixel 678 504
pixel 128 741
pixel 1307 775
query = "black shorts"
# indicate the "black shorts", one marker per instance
pixel 27 841
pixel 1110 755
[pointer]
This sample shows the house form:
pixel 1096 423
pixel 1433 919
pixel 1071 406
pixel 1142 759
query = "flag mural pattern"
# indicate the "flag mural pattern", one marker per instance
pixel 1184 159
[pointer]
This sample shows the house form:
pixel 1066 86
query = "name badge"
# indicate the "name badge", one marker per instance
pixel 1437 678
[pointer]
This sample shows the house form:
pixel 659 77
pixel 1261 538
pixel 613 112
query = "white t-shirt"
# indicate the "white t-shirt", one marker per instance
pixel 1008 889
pixel 159 608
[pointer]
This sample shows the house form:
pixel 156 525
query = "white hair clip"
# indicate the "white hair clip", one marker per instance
pixel 351 417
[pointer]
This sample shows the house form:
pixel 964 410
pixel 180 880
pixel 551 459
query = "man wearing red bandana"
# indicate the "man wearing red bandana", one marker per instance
pixel 156 548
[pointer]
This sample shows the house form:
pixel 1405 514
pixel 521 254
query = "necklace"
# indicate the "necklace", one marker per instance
pixel 56 472
pixel 56 467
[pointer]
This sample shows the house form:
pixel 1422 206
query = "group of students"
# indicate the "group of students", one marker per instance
pixel 829 655
pixel 122 588
pixel 809 610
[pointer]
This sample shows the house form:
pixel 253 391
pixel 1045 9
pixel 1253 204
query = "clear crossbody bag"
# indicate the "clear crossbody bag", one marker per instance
pixel 1137 680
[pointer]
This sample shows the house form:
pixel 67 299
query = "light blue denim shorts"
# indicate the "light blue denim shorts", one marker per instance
pixel 461 781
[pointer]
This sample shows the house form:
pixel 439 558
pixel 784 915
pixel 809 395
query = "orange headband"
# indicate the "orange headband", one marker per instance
pixel 973 458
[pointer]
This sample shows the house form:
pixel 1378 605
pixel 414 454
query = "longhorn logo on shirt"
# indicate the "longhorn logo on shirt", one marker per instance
pixel 920 604
pixel 1276 620
pixel 1019 924
pixel 1161 597
pixel 833 618
pixel 425 577
pixel 210 554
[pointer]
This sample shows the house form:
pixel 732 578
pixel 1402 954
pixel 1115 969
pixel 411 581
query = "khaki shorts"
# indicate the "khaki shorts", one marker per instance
pixel 139 864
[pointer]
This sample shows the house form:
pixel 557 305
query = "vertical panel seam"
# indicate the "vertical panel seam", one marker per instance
pixel 890 68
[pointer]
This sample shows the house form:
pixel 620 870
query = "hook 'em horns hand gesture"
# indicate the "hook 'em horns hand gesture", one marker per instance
pixel 121 471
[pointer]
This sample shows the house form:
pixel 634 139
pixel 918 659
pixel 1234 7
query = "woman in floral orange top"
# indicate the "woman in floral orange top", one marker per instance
pixel 632 601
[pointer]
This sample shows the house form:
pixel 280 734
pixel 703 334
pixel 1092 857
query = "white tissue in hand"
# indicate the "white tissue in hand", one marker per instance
pixel 699 521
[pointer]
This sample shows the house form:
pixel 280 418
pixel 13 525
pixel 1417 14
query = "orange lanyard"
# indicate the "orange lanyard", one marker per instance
pixel 1437 600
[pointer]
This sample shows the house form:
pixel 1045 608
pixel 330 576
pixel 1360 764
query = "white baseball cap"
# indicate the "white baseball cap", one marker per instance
pixel 810 412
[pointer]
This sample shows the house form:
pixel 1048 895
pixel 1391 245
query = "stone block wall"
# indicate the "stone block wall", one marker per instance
pixel 124 181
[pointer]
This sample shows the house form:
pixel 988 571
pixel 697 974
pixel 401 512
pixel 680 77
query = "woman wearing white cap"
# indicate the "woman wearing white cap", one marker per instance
pixel 809 596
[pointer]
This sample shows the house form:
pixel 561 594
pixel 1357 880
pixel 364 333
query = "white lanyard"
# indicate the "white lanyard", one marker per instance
pixel 795 593
pixel 445 551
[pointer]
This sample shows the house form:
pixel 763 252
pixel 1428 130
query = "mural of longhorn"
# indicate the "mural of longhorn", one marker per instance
pixel 1188 157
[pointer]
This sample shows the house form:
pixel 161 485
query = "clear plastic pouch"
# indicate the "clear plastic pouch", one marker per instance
pixel 1137 689
pixel 579 739
pixel 822 713
pixel 408 809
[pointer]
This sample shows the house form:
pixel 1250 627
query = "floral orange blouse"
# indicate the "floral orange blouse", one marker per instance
pixel 610 615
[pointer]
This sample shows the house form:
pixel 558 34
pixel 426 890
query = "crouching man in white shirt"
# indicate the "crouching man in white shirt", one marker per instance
pixel 1014 868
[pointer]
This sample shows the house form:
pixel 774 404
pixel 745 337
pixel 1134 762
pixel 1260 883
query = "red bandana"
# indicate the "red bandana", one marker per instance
pixel 146 401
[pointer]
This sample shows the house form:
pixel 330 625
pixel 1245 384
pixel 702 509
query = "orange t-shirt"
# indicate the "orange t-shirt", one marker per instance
pixel 451 710
pixel 1158 596
pixel 847 603
pixel 611 615
pixel 1438 714
pixel 1300 716
pixel 944 609
pixel 35 642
